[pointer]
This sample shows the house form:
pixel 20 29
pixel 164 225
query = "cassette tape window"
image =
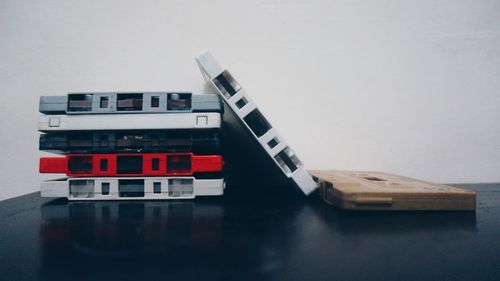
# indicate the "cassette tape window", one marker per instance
pixel 179 101
pixel 227 84
pixel 129 102
pixel 79 102
pixel 257 123
pixel 287 160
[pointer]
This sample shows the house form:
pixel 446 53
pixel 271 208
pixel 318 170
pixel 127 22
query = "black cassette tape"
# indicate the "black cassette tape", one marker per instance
pixel 195 141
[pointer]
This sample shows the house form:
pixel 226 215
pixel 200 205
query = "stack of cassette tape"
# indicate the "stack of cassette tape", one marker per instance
pixel 166 145
pixel 147 145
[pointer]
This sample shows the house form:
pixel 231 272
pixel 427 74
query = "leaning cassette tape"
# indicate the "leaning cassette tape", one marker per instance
pixel 137 102
pixel 131 188
pixel 253 119
pixel 363 190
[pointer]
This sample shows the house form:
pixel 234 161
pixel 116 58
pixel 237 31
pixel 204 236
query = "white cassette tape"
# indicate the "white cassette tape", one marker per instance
pixel 132 188
pixel 252 118
pixel 209 120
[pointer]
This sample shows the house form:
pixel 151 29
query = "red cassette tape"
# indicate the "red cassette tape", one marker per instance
pixel 132 164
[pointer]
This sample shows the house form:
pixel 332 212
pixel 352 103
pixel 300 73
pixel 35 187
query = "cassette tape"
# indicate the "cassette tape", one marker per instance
pixel 135 188
pixel 132 164
pixel 195 141
pixel 253 119
pixel 142 102
pixel 209 120
pixel 359 190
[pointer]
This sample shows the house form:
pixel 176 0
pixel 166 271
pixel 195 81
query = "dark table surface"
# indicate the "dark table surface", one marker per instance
pixel 245 235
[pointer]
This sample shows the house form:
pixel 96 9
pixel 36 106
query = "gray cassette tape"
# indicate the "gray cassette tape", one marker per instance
pixel 208 120
pixel 132 188
pixel 138 102
pixel 252 118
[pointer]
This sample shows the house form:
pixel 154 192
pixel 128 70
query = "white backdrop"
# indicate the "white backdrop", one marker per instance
pixel 411 87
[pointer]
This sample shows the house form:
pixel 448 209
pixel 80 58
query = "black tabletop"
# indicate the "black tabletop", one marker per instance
pixel 245 235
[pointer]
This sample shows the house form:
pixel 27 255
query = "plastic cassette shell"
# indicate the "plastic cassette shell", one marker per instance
pixel 153 188
pixel 207 120
pixel 145 141
pixel 267 136
pixel 131 164
pixel 149 102
pixel 362 190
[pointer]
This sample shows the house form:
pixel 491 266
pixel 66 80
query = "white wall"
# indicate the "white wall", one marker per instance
pixel 411 87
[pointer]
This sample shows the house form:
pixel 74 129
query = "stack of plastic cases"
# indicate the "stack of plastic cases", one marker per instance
pixel 132 146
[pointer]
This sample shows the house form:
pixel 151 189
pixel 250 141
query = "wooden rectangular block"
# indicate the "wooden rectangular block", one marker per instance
pixel 360 190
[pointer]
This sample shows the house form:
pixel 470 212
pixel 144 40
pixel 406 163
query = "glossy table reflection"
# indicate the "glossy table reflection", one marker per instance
pixel 245 236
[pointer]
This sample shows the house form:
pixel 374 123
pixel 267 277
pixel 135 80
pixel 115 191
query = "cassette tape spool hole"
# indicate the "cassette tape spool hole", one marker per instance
pixel 79 102
pixel 179 101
